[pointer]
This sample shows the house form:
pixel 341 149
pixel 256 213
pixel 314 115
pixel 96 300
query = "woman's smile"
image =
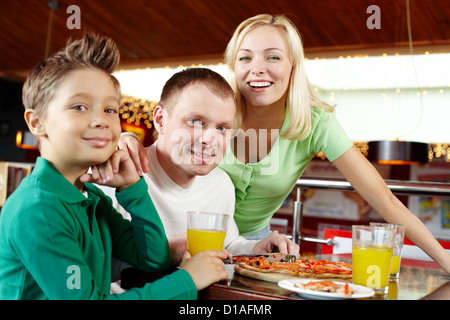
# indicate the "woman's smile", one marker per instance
pixel 263 66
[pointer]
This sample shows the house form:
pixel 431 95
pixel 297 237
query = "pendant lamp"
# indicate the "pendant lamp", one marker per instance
pixel 398 152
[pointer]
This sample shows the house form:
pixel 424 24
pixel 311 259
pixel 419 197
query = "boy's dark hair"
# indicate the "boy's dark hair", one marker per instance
pixel 90 52
pixel 180 80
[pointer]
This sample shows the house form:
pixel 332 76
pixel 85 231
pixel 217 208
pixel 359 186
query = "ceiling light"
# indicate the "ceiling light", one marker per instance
pixel 398 152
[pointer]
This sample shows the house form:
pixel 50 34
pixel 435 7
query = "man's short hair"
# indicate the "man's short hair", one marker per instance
pixel 180 80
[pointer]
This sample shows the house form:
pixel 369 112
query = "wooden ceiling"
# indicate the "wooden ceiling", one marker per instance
pixel 168 32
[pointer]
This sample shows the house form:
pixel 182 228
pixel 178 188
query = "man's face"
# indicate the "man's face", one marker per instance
pixel 195 133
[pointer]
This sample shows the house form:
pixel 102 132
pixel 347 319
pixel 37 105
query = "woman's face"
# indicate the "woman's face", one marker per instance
pixel 263 66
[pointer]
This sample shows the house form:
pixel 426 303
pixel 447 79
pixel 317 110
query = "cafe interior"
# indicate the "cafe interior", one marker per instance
pixel 384 64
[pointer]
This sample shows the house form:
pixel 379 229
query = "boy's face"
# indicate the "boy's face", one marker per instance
pixel 81 125
pixel 196 132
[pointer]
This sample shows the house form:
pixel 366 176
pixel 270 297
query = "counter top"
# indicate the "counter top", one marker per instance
pixel 418 280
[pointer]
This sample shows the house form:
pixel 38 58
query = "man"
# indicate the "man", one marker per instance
pixel 194 121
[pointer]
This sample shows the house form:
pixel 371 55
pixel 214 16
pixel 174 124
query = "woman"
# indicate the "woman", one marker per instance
pixel 276 115
pixel 283 124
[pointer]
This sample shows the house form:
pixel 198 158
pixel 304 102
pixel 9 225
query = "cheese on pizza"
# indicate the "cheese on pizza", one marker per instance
pixel 300 268
pixel 327 286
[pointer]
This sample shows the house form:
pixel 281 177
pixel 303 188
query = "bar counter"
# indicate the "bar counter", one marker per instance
pixel 418 280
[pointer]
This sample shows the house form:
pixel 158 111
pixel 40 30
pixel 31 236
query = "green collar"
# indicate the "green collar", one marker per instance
pixel 56 183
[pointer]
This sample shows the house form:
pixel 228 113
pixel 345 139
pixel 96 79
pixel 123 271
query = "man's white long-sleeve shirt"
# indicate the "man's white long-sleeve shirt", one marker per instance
pixel 213 192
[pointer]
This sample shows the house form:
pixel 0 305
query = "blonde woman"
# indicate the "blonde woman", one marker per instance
pixel 282 125
pixel 274 96
pixel 276 112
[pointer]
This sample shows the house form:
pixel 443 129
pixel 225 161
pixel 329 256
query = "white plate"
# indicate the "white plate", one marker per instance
pixel 359 291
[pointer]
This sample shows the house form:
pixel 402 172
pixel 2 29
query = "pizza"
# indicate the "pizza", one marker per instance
pixel 327 286
pixel 301 268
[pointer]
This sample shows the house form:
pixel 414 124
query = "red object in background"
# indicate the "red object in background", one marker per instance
pixel 144 134
pixel 331 233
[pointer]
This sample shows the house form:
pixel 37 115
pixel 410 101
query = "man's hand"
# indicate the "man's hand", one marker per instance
pixel 136 151
pixel 276 242
pixel 178 246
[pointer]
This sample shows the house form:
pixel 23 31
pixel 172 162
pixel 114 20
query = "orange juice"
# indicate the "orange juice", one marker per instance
pixel 203 239
pixel 395 264
pixel 371 266
pixel 392 293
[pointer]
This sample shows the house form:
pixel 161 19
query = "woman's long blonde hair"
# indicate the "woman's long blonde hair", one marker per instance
pixel 300 98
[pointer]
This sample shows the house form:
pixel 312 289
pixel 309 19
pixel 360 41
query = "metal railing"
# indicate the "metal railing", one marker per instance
pixel 397 187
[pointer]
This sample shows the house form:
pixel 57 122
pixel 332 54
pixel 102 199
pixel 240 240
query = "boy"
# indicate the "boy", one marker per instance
pixel 194 120
pixel 58 234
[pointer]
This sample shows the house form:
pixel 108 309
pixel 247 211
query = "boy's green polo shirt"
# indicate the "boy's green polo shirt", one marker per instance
pixel 57 244
pixel 262 187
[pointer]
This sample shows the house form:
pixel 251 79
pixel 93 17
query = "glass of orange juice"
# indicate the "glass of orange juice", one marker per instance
pixel 206 231
pixel 398 246
pixel 372 249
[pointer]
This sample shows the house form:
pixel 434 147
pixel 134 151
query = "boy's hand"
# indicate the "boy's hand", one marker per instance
pixel 118 172
pixel 205 267
pixel 136 150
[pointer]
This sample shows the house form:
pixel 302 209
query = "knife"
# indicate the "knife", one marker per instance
pixel 270 257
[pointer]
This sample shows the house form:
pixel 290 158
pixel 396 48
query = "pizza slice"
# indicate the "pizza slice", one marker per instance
pixel 300 268
pixel 327 286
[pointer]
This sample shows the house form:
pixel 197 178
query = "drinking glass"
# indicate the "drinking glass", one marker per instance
pixel 206 231
pixel 372 249
pixel 398 246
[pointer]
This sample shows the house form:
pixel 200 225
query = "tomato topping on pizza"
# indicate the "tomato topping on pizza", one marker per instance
pixel 301 268
pixel 327 286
